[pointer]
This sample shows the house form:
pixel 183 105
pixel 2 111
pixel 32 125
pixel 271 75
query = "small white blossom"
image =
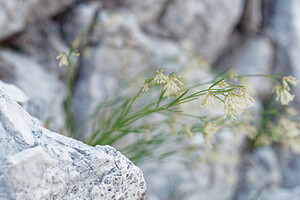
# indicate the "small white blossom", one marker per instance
pixel 76 53
pixel 236 103
pixel 63 59
pixel 209 130
pixel 283 95
pixel 145 87
pixel 223 84
pixel 286 80
pixel 208 100
pixel 148 135
pixel 160 77
pixel 188 131
pixel 171 84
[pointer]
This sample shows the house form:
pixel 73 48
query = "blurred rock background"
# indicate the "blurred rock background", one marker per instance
pixel 123 38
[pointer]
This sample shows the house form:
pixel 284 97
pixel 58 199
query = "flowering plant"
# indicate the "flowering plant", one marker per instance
pixel 154 121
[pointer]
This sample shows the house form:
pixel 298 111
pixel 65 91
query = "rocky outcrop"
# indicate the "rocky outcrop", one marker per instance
pixel 15 15
pixel 14 92
pixel 45 92
pixel 261 177
pixel 39 164
pixel 122 38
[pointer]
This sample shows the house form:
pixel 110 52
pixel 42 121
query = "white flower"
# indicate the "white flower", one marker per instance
pixel 188 131
pixel 209 130
pixel 282 91
pixel 145 87
pixel 223 84
pixel 160 77
pixel 171 84
pixel 75 53
pixel 236 103
pixel 286 80
pixel 283 94
pixel 63 59
pixel 208 100
pixel 148 135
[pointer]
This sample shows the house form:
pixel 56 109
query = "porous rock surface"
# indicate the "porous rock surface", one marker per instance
pixel 39 164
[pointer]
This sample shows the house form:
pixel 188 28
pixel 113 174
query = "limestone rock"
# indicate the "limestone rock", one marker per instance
pixel 16 14
pixel 154 10
pixel 14 92
pixel 42 42
pixel 252 16
pixel 46 93
pixel 208 24
pixel 261 176
pixel 253 55
pixel 290 163
pixel 39 164
pixel 213 179
pixel 80 22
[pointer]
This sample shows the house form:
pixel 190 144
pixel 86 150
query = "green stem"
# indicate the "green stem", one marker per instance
pixel 69 117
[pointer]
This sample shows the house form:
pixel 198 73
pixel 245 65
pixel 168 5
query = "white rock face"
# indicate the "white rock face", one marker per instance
pixel 39 164
pixel 262 170
pixel 208 24
pixel 46 93
pixel 45 44
pixel 252 17
pixel 214 179
pixel 16 14
pixel 14 92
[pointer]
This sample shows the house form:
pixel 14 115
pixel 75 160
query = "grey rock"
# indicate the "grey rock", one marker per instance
pixel 208 24
pixel 252 17
pixel 42 42
pixel 213 179
pixel 16 14
pixel 253 55
pixel 290 163
pixel 46 93
pixel 280 193
pixel 260 171
pixel 155 9
pixel 80 22
pixel 121 55
pixel 14 92
pixel 39 164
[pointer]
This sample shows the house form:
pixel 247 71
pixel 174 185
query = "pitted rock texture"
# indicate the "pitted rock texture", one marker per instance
pixel 39 164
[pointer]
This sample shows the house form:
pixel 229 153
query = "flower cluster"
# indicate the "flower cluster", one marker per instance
pixel 237 102
pixel 63 59
pixel 223 84
pixel 208 101
pixel 145 87
pixel 170 82
pixel 209 130
pixel 283 91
